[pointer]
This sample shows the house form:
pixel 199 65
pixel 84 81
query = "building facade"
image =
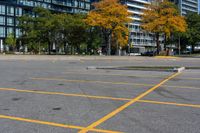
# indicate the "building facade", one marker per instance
pixel 186 6
pixel 11 9
pixel 139 39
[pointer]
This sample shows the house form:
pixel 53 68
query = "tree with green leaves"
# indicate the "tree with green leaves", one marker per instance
pixel 192 34
pixel 11 41
pixel 56 29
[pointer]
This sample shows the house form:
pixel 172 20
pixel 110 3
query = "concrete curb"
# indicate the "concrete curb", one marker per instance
pixel 180 69
pixel 101 67
pixel 176 69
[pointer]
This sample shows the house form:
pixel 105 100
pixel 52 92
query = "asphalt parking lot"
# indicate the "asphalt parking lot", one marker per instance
pixel 44 96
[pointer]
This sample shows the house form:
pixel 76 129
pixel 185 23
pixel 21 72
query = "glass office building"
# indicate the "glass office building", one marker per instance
pixel 11 9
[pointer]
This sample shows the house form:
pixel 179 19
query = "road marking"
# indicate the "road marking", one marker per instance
pixel 97 97
pixel 170 103
pixel 91 81
pixel 106 82
pixel 64 94
pixel 116 111
pixel 167 57
pixel 124 75
pixel 183 87
pixel 121 75
pixel 53 124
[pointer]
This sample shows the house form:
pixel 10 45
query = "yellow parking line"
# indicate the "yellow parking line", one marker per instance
pixel 189 78
pixel 125 75
pixel 107 82
pixel 91 81
pixel 53 124
pixel 167 57
pixel 170 103
pixel 97 97
pixel 64 94
pixel 182 87
pixel 113 113
pixel 121 75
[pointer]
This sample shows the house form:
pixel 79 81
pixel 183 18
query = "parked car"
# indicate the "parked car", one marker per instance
pixel 149 53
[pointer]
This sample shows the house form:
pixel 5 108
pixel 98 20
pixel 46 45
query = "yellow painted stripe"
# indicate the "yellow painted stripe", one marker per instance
pixel 39 122
pixel 64 94
pixel 52 124
pixel 90 81
pixel 106 82
pixel 121 75
pixel 113 113
pixel 182 87
pixel 170 103
pixel 167 57
pixel 125 75
pixel 96 97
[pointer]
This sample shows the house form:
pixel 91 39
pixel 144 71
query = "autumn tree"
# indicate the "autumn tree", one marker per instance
pixel 162 17
pixel 111 17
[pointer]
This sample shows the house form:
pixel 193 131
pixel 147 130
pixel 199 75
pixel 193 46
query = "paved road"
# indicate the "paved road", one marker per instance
pixel 40 95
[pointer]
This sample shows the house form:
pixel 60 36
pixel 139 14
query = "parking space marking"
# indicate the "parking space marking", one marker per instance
pixel 121 75
pixel 64 94
pixel 107 82
pixel 124 75
pixel 170 103
pixel 179 87
pixel 116 111
pixel 53 124
pixel 90 81
pixel 97 97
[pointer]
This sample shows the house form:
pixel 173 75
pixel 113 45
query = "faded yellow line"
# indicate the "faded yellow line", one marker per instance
pixel 91 81
pixel 64 94
pixel 52 124
pixel 96 97
pixel 113 113
pixel 182 87
pixel 121 75
pixel 125 75
pixel 106 82
pixel 167 57
pixel 170 103
pixel 189 78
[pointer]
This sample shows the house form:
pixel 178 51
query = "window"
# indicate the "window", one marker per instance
pixel 87 6
pixel 10 21
pixel 2 9
pixel 48 1
pixel 18 32
pixel 10 10
pixel 9 30
pixel 18 11
pixel 2 20
pixel 2 31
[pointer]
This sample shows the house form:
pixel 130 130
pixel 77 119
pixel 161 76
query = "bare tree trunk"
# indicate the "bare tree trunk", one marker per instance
pixel 193 48
pixel 49 48
pixel 165 43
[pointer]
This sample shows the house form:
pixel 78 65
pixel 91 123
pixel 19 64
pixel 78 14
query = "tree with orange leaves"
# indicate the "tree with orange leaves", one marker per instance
pixel 162 17
pixel 111 16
